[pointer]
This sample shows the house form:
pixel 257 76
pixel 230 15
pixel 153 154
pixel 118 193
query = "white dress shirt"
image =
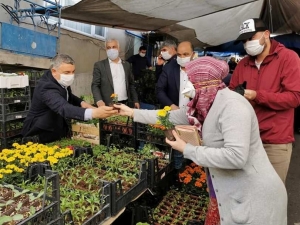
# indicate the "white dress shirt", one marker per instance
pixel 118 75
pixel 183 100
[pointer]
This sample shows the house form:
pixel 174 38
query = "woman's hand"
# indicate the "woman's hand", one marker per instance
pixel 178 144
pixel 124 110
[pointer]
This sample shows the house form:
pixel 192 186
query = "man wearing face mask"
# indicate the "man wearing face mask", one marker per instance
pixel 139 62
pixel 167 54
pixel 173 79
pixel 113 76
pixel 53 102
pixel 271 74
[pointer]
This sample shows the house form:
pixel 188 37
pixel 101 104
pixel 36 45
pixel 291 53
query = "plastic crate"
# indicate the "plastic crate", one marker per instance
pixel 119 199
pixel 118 140
pixel 144 135
pixel 34 76
pixel 14 111
pixel 13 80
pixel 105 212
pixel 36 169
pixel 98 218
pixel 128 129
pixel 7 142
pixel 77 151
pixel 157 174
pixel 11 128
pixel 14 95
pixel 50 212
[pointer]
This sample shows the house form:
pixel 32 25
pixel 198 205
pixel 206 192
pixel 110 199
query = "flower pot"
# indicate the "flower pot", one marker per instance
pixel 169 134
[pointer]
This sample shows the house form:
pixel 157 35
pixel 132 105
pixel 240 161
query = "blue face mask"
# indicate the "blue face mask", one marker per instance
pixel 112 54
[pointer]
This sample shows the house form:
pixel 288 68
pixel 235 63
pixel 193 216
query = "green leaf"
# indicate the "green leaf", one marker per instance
pixel 4 219
pixel 17 217
pixel 32 210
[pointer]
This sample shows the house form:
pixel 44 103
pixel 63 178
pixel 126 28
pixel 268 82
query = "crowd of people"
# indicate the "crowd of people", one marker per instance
pixel 243 111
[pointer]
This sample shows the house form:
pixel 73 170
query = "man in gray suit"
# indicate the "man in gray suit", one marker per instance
pixel 113 76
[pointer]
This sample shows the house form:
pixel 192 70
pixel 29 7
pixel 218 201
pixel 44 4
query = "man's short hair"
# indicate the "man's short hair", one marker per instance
pixel 143 48
pixel 169 43
pixel 59 59
pixel 111 40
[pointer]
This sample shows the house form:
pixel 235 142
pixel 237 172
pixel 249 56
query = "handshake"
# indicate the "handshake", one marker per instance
pixel 241 88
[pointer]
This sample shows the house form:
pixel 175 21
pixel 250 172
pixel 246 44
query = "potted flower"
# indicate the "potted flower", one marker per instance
pixel 163 119
pixel 194 179
pixel 114 98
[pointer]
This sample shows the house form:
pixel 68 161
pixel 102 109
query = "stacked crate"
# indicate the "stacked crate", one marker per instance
pixel 14 106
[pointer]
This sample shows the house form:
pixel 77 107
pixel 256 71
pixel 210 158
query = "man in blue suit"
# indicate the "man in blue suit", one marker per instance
pixel 53 102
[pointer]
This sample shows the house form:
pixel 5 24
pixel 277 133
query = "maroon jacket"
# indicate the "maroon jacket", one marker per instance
pixel 277 84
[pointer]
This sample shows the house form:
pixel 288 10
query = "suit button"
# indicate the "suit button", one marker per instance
pixel 219 204
pixel 217 190
pixel 212 176
pixel 222 219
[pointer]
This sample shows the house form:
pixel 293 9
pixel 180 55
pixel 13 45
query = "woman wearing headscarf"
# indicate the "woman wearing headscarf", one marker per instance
pixel 243 185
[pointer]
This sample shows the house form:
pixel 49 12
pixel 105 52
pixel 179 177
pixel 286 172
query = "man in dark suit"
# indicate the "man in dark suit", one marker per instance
pixel 113 76
pixel 173 78
pixel 168 51
pixel 170 85
pixel 53 102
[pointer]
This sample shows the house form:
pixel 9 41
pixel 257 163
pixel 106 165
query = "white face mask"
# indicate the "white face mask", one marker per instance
pixel 183 61
pixel 189 90
pixel 66 80
pixel 112 54
pixel 166 55
pixel 253 47
pixel 142 54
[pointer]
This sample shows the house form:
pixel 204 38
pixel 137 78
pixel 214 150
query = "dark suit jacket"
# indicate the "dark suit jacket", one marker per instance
pixel 168 84
pixel 159 68
pixel 49 108
pixel 102 84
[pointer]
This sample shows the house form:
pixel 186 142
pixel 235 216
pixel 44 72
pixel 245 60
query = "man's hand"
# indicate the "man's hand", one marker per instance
pixel 137 105
pixel 160 61
pixel 178 144
pixel 250 94
pixel 103 112
pixel 124 110
pixel 100 103
pixel 174 107
pixel 86 105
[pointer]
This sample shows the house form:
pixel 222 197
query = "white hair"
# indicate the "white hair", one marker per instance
pixel 111 40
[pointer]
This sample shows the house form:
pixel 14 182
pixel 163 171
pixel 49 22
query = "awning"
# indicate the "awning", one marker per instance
pixel 205 23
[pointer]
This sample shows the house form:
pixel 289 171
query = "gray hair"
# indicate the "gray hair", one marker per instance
pixel 59 59
pixel 169 43
pixel 111 40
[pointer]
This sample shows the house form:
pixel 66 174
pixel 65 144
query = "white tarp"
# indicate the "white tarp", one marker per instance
pixel 205 23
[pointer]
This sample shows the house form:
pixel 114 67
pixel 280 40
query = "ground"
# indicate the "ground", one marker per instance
pixel 293 185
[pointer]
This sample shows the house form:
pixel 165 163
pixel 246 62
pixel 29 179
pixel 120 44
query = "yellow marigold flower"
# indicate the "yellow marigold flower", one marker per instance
pixel 158 122
pixel 162 113
pixel 29 143
pixel 15 144
pixel 10 159
pixel 167 108
pixel 52 160
pixel 1 176
pixel 10 166
pixel 8 171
